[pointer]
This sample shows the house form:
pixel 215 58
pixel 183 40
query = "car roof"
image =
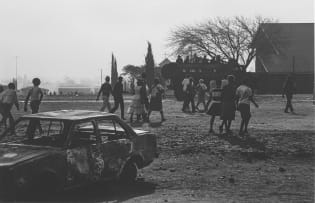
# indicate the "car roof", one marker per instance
pixel 71 115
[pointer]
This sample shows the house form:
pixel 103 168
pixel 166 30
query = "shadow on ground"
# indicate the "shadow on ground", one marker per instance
pixel 101 192
pixel 246 142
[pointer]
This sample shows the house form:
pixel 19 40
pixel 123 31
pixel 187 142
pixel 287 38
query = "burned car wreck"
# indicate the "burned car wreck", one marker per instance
pixel 57 150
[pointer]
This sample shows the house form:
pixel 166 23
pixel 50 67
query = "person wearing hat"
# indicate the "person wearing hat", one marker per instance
pixel 201 92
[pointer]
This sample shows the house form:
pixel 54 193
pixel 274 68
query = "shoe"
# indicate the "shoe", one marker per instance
pixel 123 118
pixel 163 119
pixel 211 131
pixel 286 111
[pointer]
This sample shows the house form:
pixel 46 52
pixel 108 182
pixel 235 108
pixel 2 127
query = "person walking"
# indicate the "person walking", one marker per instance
pixel 35 94
pixel 201 92
pixel 288 90
pixel 118 98
pixel 185 83
pixel 228 105
pixel 136 106
pixel 106 91
pixel 191 95
pixel 157 91
pixel 244 96
pixel 8 99
pixel 215 103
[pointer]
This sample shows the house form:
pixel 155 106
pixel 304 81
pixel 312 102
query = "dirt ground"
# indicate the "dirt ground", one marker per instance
pixel 276 164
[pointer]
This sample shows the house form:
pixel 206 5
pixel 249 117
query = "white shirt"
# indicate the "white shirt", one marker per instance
pixel 185 83
pixel 244 93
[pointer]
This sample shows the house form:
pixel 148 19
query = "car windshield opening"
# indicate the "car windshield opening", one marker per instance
pixel 38 132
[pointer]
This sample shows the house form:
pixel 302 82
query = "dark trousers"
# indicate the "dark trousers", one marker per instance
pixel 6 110
pixel 289 103
pixel 35 109
pixel 119 101
pixel 35 106
pixel 191 100
pixel 186 101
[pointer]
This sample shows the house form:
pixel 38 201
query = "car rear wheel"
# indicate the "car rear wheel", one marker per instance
pixel 129 172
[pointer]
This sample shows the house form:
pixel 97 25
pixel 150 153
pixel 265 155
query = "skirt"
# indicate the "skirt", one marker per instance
pixel 136 107
pixel 201 98
pixel 156 104
pixel 228 111
pixel 215 109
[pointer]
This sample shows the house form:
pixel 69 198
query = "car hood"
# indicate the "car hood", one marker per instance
pixel 140 132
pixel 11 154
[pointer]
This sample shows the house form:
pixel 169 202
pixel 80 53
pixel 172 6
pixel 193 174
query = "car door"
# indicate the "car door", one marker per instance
pixel 84 158
pixel 115 146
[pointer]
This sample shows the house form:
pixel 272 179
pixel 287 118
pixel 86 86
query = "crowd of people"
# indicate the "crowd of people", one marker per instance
pixel 144 101
pixel 225 98
pixel 197 59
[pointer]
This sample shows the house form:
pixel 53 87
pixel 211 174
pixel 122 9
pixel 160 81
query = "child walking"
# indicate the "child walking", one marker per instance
pixel 8 99
pixel 244 96
pixel 215 104
pixel 35 95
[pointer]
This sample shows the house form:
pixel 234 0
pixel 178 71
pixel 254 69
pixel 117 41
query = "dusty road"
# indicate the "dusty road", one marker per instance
pixel 276 164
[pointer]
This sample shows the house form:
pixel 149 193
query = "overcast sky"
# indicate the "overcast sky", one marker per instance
pixel 75 38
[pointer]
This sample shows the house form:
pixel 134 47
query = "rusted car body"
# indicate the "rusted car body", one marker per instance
pixel 62 149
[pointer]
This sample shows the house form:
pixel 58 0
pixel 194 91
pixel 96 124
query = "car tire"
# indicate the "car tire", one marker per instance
pixel 129 173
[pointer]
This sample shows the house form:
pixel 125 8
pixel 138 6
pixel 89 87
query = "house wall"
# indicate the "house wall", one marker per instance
pixel 296 49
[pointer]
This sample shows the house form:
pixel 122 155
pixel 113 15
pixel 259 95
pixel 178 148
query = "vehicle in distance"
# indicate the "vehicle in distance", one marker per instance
pixel 57 150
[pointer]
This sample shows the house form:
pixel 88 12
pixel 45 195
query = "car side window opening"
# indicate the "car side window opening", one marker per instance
pixel 83 133
pixel 109 130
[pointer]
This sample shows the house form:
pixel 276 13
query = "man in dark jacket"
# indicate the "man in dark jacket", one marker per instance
pixel 118 97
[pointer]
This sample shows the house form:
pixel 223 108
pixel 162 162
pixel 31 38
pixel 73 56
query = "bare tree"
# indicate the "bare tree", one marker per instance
pixel 132 71
pixel 229 38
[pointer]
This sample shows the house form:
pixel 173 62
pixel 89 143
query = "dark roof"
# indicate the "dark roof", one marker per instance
pixel 68 115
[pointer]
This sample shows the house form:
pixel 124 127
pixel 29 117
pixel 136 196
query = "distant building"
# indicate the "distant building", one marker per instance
pixel 77 90
pixel 24 91
pixel 164 62
pixel 285 47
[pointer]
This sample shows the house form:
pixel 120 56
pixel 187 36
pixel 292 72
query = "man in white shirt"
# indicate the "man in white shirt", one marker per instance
pixel 244 96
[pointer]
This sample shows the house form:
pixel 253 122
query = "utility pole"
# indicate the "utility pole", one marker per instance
pixel 101 76
pixel 16 67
